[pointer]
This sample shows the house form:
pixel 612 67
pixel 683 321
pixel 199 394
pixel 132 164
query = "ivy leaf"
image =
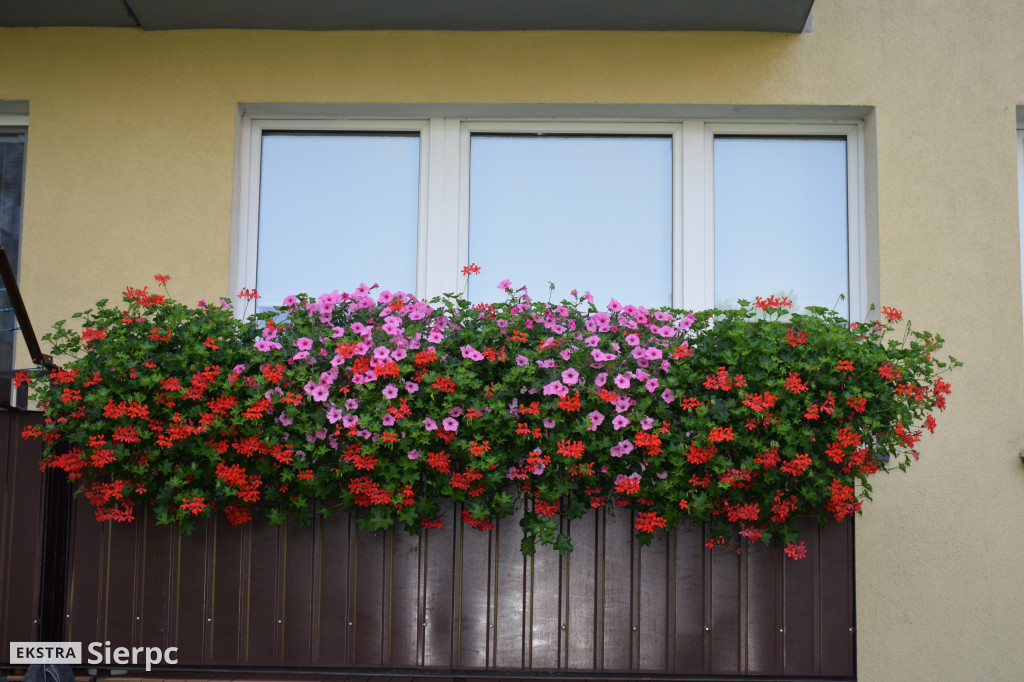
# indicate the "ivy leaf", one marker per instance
pixel 528 546
pixel 563 545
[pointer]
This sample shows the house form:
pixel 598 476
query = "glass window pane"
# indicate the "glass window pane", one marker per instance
pixel 781 220
pixel 337 210
pixel 12 182
pixel 587 213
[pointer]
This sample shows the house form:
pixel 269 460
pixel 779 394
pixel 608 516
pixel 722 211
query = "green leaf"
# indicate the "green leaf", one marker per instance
pixel 528 545
pixel 563 545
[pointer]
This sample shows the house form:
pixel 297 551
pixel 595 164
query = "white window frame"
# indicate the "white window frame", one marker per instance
pixel 443 229
pixel 1020 207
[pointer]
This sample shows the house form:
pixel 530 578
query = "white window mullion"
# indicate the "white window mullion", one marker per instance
pixel 462 236
pixel 857 228
pixel 422 225
pixel 697 244
pixel 1020 206
pixel 443 208
pixel 434 246
pixel 246 226
pixel 677 218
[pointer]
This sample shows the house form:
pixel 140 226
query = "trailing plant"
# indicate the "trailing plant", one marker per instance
pixel 743 419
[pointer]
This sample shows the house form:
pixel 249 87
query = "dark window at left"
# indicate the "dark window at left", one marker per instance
pixel 12 185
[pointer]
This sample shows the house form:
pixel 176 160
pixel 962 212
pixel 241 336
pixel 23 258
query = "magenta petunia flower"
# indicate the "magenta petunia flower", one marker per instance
pixel 619 422
pixel 349 420
pixel 320 393
pixel 390 392
pixel 303 343
pixel 429 424
pixel 556 388
pixel 622 381
pixel 570 377
pixel 450 424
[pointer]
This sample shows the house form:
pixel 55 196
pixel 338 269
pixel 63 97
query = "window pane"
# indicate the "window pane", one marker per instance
pixel 337 210
pixel 12 182
pixel 781 220
pixel 590 213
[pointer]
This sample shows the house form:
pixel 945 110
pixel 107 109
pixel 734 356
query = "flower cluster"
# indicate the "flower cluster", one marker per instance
pixel 740 419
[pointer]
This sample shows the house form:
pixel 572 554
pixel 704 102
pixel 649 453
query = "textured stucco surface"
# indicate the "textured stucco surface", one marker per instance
pixel 131 166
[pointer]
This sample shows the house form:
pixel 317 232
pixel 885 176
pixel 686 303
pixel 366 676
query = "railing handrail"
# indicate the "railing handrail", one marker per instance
pixel 21 313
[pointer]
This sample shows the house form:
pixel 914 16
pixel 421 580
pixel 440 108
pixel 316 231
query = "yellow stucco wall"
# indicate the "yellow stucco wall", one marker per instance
pixel 130 169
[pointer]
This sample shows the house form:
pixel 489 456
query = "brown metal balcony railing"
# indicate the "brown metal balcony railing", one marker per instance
pixel 263 602
pixel 41 359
